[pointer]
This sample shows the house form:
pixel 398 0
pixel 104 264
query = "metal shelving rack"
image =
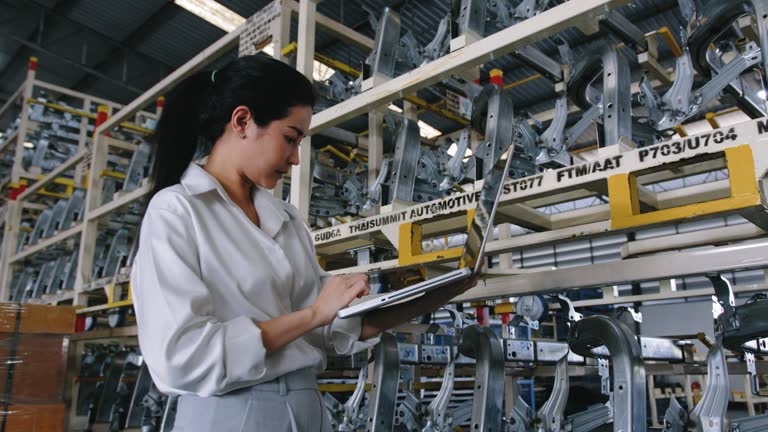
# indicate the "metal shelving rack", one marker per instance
pixel 522 202
pixel 41 188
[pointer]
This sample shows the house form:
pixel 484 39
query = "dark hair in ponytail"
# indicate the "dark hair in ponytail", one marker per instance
pixel 197 111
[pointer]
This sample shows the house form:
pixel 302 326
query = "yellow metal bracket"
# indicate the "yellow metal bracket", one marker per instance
pixel 112 294
pixel 410 245
pixel 625 202
pixel 113 174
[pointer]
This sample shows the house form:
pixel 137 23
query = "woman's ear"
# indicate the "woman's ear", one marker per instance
pixel 241 115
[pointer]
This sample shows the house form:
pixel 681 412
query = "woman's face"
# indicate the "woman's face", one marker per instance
pixel 273 149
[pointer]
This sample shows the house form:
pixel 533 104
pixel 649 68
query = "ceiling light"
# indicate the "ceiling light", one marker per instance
pixel 213 12
pixel 428 131
pixel 321 72
pixel 452 151
pixel 761 94
pixel 28 145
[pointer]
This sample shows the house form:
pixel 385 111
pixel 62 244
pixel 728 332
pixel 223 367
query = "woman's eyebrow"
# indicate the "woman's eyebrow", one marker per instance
pixel 298 131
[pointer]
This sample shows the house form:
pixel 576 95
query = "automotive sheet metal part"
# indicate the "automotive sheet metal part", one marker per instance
pixel 386 376
pixel 625 31
pixel 675 418
pixel 437 416
pixel 552 140
pixel 716 17
pixel 169 414
pixel 407 149
pixel 629 386
pixel 604 370
pixel 590 419
pixel 617 97
pixel 754 378
pixel 112 378
pixel 750 424
pixel 139 166
pixel 375 191
pixel 540 62
pixel 136 408
pixel 519 350
pixel 384 54
pixel 551 352
pixel 493 116
pixel 743 324
pixel 725 76
pixel 456 168
pixel 709 414
pixel 471 19
pixel 567 306
pixel 74 209
pixel 353 416
pixel 493 113
pixel 550 416
pixel 675 106
pixel 55 220
pixel 482 344
pixel 520 419
pixel 587 119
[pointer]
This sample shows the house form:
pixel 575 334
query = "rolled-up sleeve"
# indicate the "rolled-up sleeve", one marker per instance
pixel 187 350
pixel 342 336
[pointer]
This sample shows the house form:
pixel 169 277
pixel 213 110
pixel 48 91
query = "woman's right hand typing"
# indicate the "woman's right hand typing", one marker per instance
pixel 337 293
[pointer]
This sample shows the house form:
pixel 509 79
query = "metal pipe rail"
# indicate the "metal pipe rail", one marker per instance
pixel 542 352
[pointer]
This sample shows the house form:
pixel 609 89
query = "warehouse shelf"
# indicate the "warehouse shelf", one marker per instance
pixel 46 243
pixel 123 276
pixel 66 295
pixel 519 207
pixel 53 175
pixel 35 187
pixel 592 215
pixel 127 331
pixel 504 42
pixel 120 200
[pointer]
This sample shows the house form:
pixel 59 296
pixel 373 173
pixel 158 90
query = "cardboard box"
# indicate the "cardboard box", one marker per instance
pixel 35 418
pixel 33 370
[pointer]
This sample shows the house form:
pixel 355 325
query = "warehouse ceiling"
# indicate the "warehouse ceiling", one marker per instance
pixel 117 50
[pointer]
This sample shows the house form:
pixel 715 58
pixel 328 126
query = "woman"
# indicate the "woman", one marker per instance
pixel 233 310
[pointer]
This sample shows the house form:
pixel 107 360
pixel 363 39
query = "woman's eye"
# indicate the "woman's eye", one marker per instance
pixel 290 140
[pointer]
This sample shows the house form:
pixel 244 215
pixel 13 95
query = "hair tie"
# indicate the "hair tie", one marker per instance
pixel 213 76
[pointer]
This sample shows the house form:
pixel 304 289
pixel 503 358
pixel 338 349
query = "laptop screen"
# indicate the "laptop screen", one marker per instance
pixel 497 152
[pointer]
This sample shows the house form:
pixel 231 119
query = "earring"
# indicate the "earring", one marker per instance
pixel 242 136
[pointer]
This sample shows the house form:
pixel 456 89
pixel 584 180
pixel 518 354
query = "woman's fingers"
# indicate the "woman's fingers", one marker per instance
pixel 358 289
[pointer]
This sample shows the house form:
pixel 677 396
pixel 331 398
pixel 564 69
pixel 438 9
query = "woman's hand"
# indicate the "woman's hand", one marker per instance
pixel 337 293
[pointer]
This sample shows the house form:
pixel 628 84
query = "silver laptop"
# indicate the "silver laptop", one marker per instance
pixel 472 256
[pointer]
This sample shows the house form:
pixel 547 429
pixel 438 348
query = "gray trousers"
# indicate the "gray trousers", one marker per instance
pixel 290 403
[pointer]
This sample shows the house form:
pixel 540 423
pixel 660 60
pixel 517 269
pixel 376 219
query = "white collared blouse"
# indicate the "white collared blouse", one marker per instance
pixel 203 272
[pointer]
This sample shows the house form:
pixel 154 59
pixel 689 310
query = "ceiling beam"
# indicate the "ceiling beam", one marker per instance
pixel 127 45
pixel 73 63
pixel 59 13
